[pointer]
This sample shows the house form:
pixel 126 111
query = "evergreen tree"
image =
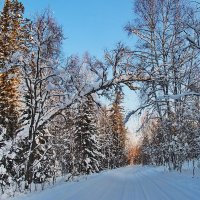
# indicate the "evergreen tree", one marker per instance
pixel 14 34
pixel 9 103
pixel 86 139
pixel 106 138
pixel 118 130
pixel 62 130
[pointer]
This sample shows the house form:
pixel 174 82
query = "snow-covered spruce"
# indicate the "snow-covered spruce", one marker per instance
pixel 87 149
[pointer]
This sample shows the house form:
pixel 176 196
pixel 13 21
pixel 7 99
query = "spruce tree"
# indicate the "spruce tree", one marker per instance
pixel 106 138
pixel 86 139
pixel 14 35
pixel 118 130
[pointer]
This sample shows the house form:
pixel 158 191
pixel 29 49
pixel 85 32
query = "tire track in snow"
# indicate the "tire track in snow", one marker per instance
pixel 182 190
pixel 165 181
pixel 157 188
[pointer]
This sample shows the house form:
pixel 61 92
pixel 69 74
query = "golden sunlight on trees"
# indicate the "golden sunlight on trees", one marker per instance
pixel 13 36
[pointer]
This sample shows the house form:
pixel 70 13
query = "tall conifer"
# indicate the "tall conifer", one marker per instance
pixel 86 139
pixel 13 37
pixel 118 129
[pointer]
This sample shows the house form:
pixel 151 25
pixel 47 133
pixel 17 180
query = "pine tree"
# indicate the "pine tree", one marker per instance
pixel 13 31
pixel 106 138
pixel 14 34
pixel 9 103
pixel 62 130
pixel 86 139
pixel 119 130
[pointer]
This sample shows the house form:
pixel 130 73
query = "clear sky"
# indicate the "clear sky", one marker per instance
pixel 89 25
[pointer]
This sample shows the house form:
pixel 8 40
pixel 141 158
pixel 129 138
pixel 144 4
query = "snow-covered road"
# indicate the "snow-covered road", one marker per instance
pixel 130 183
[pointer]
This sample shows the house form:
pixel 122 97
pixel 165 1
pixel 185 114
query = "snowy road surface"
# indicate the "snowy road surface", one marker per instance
pixel 130 183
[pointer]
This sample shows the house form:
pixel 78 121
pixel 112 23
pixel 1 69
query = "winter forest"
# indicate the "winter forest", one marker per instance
pixel 53 121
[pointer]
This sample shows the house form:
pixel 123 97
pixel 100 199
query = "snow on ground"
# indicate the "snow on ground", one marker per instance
pixel 129 183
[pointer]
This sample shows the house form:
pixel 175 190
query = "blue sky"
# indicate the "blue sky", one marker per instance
pixel 89 25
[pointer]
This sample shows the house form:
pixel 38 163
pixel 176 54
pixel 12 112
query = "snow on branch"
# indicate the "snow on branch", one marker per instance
pixel 178 96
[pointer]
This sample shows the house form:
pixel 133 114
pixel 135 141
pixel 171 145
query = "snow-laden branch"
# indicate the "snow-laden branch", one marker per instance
pixel 178 96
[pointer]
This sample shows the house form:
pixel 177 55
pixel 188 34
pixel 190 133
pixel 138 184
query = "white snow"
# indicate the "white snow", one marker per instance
pixel 51 86
pixel 133 182
pixel 178 96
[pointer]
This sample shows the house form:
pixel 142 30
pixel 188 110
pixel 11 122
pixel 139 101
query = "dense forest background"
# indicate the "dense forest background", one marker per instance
pixel 51 121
